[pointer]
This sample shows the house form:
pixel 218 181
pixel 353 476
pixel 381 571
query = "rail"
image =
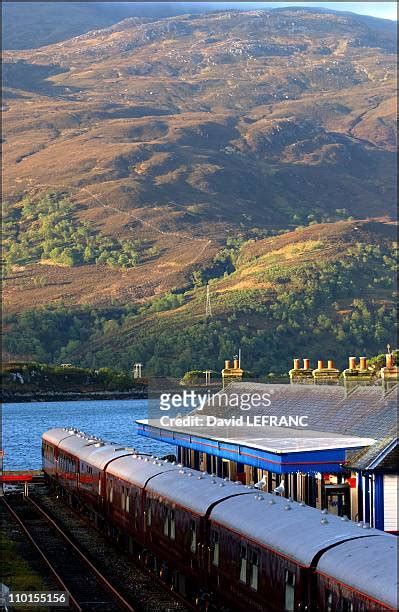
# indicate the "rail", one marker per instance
pixel 123 604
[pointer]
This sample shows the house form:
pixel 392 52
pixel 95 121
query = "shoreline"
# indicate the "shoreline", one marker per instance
pixel 54 396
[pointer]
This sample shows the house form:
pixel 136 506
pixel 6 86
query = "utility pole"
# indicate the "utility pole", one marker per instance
pixel 208 309
pixel 207 377
pixel 137 370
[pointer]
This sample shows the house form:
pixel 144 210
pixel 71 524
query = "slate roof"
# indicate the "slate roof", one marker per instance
pixel 384 454
pixel 364 411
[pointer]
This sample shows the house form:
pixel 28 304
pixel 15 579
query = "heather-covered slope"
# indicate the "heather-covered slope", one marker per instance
pixel 327 290
pixel 167 144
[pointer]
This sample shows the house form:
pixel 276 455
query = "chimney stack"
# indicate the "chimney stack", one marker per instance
pixel 327 374
pixel 389 374
pixel 301 375
pixel 355 375
pixel 231 374
pixel 352 363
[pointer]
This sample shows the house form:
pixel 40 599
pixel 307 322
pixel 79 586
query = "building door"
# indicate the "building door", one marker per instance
pixel 337 499
pixel 391 484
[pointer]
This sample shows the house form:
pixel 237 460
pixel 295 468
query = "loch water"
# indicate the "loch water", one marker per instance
pixel 112 420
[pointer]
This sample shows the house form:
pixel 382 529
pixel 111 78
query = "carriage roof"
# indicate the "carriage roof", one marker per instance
pixel 290 528
pixel 369 565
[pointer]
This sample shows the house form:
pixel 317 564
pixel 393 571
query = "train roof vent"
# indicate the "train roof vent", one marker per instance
pixel 98 444
pixel 323 521
pixel 271 502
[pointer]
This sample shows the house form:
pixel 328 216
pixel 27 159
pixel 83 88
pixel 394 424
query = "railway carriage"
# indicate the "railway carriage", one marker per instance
pixel 125 483
pixel 223 544
pixel 60 451
pixel 178 505
pixel 359 575
pixel 269 546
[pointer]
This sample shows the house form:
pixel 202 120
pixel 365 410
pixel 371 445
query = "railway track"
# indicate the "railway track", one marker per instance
pixel 87 587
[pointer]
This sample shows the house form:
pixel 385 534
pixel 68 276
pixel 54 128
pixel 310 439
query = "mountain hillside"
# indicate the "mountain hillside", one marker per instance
pixel 139 158
pixel 327 290
pixel 29 25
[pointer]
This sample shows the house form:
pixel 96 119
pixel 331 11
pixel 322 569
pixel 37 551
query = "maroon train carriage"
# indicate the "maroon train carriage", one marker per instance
pixel 359 575
pixel 222 544
pixel 177 509
pixel 125 484
pixel 265 549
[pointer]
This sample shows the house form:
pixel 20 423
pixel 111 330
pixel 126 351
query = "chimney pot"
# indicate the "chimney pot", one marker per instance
pixel 352 363
pixel 389 360
pixel 235 364
pixel 320 364
pixel 363 363
pixel 306 364
pixel 330 364
pixel 296 364
pixel 227 364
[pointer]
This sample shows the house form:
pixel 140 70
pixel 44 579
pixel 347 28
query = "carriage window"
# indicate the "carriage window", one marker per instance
pixel 215 559
pixel 347 606
pixel 166 522
pixel 193 546
pixel 99 485
pixel 111 494
pixel 172 531
pixel 123 498
pixel 289 596
pixel 254 570
pixel 149 514
pixel 329 601
pixel 243 567
pixel 127 503
pixel 169 526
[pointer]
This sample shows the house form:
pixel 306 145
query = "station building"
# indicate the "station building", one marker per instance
pixel 343 456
